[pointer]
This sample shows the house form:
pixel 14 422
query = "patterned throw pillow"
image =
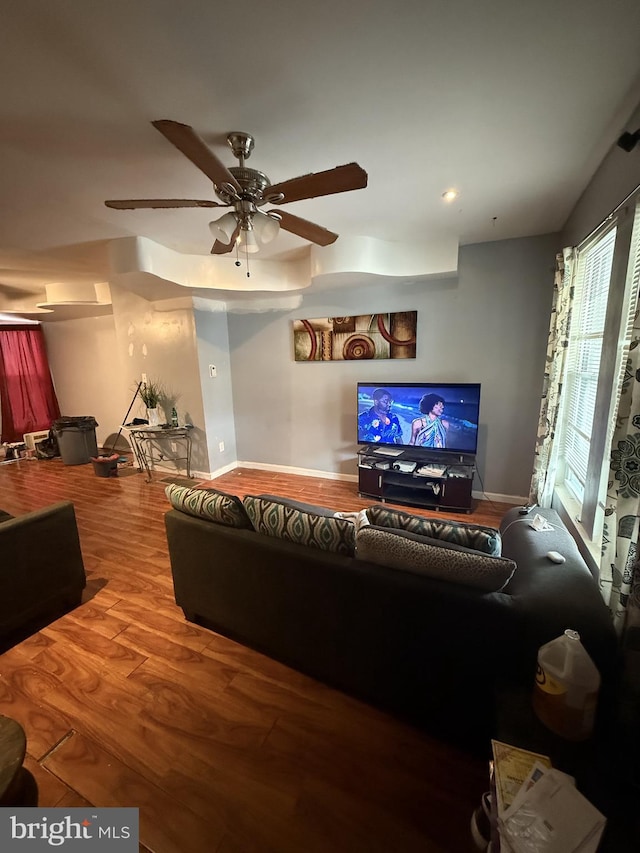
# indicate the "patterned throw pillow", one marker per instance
pixel 209 504
pixel 473 536
pixel 434 558
pixel 284 521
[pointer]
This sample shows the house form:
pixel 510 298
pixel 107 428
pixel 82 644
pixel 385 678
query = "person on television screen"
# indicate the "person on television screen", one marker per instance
pixel 431 429
pixel 377 424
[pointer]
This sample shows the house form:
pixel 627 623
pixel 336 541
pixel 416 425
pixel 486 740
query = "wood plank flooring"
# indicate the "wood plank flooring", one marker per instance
pixel 223 750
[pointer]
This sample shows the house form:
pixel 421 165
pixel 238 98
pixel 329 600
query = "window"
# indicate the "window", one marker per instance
pixel 583 360
pixel 605 296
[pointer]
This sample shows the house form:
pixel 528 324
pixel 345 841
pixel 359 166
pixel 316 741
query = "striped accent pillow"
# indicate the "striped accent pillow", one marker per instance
pixel 284 521
pixel 478 538
pixel 209 504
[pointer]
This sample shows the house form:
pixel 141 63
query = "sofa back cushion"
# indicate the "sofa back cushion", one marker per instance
pixel 303 507
pixel 435 558
pixel 474 536
pixel 286 520
pixel 209 504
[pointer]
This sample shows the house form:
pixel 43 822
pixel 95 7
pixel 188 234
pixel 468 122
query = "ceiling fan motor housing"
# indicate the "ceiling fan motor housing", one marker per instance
pixel 253 184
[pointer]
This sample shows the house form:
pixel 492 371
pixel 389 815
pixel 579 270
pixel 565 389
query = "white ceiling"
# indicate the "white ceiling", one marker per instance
pixel 513 103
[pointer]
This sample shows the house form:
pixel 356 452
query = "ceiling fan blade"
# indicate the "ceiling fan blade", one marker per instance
pixel 308 230
pixel 338 180
pixel 133 203
pixel 192 146
pixel 220 248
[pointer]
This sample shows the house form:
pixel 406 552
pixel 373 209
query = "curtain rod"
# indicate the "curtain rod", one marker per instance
pixel 608 218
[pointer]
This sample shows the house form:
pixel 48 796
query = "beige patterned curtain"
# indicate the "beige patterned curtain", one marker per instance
pixel 546 452
pixel 620 566
pixel 620 563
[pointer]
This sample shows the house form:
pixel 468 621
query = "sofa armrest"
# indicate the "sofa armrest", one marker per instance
pixel 41 564
pixel 552 597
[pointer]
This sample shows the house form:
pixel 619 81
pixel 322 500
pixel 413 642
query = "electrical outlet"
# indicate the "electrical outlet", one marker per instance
pixel 174 447
pixel 221 446
pixel 212 371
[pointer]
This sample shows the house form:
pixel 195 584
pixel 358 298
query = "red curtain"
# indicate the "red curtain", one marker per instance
pixel 28 400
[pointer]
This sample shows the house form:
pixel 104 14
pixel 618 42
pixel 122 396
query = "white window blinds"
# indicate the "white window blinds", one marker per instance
pixel 583 359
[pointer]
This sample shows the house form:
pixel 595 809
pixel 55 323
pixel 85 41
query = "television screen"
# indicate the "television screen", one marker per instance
pixel 438 416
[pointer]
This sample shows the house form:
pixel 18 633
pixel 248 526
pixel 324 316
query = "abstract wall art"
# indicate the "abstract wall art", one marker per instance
pixel 360 337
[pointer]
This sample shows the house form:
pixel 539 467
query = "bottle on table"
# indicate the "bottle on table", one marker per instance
pixel 174 417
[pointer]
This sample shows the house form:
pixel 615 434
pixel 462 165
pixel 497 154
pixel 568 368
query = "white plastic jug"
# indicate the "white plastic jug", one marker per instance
pixel 565 694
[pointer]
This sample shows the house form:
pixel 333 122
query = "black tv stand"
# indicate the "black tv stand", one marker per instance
pixel 417 476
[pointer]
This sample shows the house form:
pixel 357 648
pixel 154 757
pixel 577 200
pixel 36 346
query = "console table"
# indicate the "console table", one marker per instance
pixel 146 439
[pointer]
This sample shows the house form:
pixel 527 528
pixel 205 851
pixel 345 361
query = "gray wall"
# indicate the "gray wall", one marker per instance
pixel 487 325
pixel 161 342
pixel 86 371
pixel 616 177
pixel 212 339
pixel 96 364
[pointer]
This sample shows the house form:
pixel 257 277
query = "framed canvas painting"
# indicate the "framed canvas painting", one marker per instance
pixel 359 337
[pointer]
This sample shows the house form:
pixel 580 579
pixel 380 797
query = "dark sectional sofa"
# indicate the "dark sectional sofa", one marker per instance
pixel 428 648
pixel 41 570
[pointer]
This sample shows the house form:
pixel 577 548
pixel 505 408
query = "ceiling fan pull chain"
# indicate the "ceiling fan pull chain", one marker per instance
pixel 246 252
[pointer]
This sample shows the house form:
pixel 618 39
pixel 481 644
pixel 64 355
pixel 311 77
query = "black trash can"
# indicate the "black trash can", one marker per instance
pixel 76 439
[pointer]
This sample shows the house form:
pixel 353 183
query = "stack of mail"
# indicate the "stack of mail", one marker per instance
pixel 549 815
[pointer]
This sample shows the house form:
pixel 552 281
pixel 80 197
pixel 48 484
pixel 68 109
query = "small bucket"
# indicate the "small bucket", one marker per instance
pixel 105 466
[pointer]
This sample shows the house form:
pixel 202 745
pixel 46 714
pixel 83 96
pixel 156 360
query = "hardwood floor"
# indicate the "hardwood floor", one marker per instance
pixel 338 494
pixel 223 750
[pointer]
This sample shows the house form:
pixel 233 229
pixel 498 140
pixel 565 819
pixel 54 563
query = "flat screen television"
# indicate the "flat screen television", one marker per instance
pixel 438 416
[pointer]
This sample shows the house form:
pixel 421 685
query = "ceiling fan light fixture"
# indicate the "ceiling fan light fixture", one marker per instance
pixel 247 240
pixel 265 227
pixel 222 229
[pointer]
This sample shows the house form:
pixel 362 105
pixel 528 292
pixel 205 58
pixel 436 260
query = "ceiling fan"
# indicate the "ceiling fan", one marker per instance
pixel 245 190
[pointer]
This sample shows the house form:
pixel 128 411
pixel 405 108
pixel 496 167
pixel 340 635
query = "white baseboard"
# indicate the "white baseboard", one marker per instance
pixel 519 500
pixel 306 472
pixel 211 475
